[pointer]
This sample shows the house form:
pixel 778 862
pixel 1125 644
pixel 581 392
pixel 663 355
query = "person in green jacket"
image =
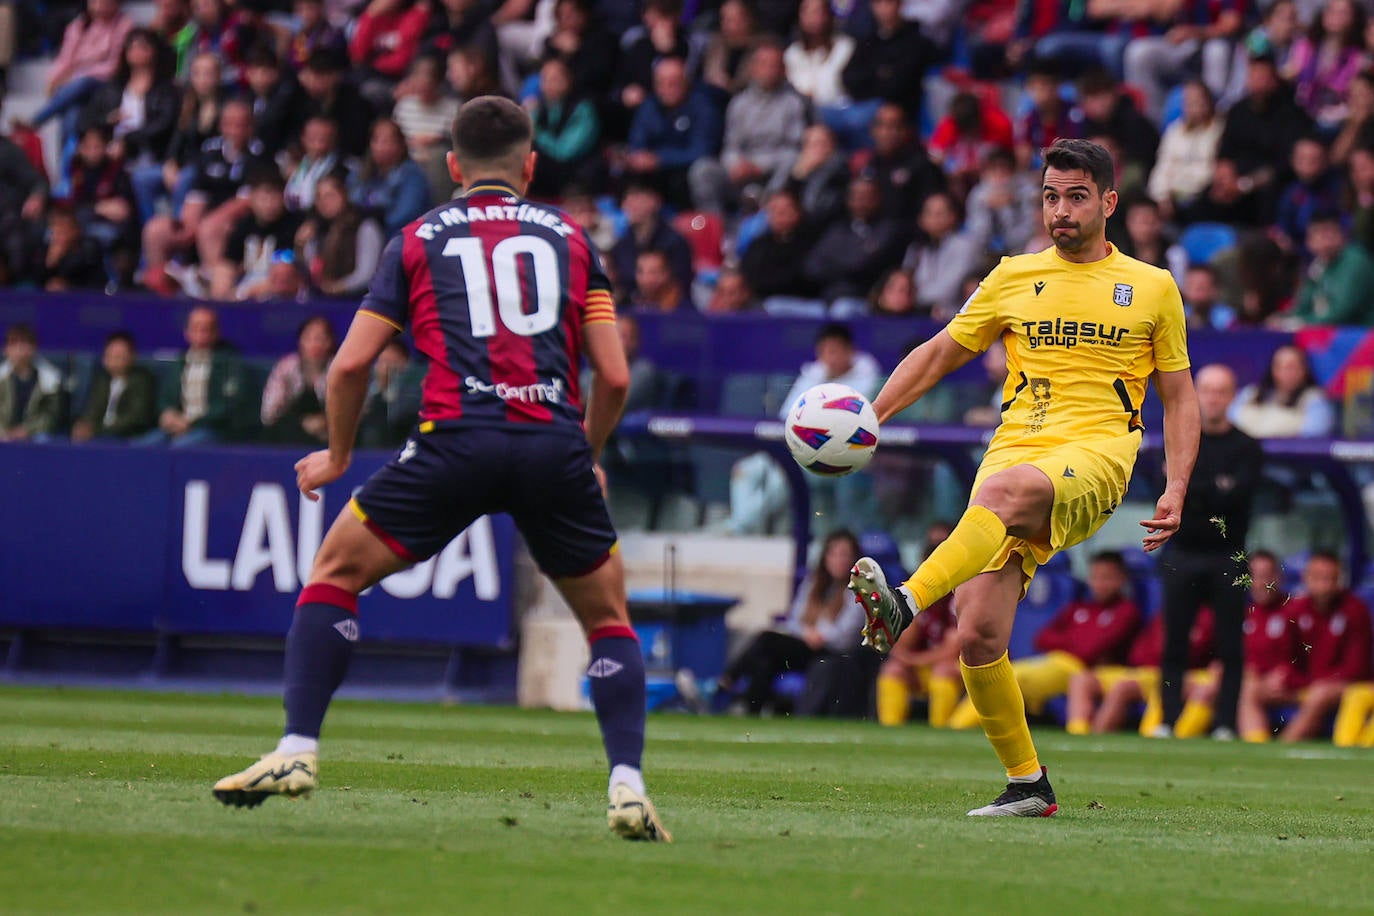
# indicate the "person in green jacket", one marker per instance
pixel 201 398
pixel 123 398
pixel 1339 288
pixel 30 389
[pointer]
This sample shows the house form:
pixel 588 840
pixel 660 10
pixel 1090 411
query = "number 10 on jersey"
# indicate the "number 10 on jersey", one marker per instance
pixel 545 286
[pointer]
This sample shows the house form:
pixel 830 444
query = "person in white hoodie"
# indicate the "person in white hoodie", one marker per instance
pixel 1187 151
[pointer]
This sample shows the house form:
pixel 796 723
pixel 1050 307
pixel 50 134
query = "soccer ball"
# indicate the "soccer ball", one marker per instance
pixel 832 430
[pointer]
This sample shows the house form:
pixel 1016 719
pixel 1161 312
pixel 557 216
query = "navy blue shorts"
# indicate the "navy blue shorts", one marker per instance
pixel 441 481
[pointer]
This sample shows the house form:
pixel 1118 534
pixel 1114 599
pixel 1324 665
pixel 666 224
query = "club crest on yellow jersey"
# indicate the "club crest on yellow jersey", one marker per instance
pixel 1122 294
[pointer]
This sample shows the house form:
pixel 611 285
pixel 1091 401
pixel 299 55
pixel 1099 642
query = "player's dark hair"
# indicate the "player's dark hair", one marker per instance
pixel 1113 557
pixel 490 129
pixel 1326 216
pixel 21 333
pixel 1084 155
pixel 266 176
pixel 123 337
pixel 1269 555
pixel 835 331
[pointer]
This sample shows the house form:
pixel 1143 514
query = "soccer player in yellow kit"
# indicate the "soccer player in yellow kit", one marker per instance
pixel 1085 329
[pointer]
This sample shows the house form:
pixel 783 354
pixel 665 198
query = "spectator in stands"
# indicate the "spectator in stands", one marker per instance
pixel 1334 628
pixel 1201 564
pixel 293 398
pixel 643 206
pixel 1275 35
pixel 674 128
pixel 173 26
pixel 763 128
pixel 101 197
pixel 70 259
pixel 819 179
pixel 1357 130
pixel 197 121
pixel 23 198
pixel 1102 699
pixel 338 246
pixel 1107 111
pixel 887 65
pixel 1065 34
pixel 899 162
pixel 227 32
pixel 1004 206
pixel 822 622
pixel 1271 633
pixel 853 253
pixel 313 32
pixel 1316 187
pixel 139 104
pixel 201 396
pixel 732 42
pixel 389 184
pixel 566 131
pixel 1202 303
pixel 661 36
pixel 459 24
pixel 471 72
pixel 989 27
pixel 1200 41
pixel 1229 198
pixel 1360 196
pixel 319 157
pixel 425 115
pixel 656 290
pixel 732 294
pixel 1048 117
pixel 328 94
pixel 1336 289
pixel 1287 402
pixel 925 660
pixel 267 229
pixel 393 399
pixel 1326 60
pixel 816 60
pixel 30 389
pixel 1262 127
pixel 974 125
pixel 581 40
pixel 894 294
pixel 581 206
pixel 1187 151
pixel 942 255
pixel 385 41
pixel 1145 238
pixel 123 399
pixel 90 53
pixel 1093 631
pixel 774 264
pixel 212 205
pixel 275 99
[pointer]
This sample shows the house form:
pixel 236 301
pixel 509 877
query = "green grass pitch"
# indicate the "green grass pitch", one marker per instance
pixel 105 807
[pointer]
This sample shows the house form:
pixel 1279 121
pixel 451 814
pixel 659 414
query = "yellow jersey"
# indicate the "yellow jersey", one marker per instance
pixel 1082 341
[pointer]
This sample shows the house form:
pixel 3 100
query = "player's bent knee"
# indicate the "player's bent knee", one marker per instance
pixel 981 643
pixel 1020 497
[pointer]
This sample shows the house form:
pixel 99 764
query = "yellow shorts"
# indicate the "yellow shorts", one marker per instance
pixel 1147 676
pixel 1044 677
pixel 1090 481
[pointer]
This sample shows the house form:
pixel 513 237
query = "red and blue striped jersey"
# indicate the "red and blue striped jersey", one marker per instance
pixel 495 291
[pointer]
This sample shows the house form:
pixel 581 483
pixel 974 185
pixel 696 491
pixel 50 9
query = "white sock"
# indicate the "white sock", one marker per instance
pixel 1035 777
pixel 627 775
pixel 298 744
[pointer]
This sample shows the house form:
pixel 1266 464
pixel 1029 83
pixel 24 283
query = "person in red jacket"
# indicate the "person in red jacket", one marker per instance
pixel 1121 687
pixel 384 43
pixel 1093 631
pixel 1333 641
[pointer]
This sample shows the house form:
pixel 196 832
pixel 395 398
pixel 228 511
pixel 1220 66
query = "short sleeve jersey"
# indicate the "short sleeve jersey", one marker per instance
pixel 496 291
pixel 1082 341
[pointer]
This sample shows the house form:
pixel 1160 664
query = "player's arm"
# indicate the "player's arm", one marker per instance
pixel 610 382
pixel 918 372
pixel 1182 428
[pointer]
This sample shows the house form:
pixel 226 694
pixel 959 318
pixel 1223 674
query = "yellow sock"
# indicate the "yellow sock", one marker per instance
pixel 964 554
pixel 1154 714
pixel 997 697
pixel 1357 703
pixel 1078 727
pixel 1259 736
pixel 894 701
pixel 944 697
pixel 1194 720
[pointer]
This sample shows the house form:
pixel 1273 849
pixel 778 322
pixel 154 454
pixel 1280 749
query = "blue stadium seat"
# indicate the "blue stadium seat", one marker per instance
pixel 1050 590
pixel 1145 585
pixel 750 228
pixel 743 394
pixel 882 547
pixel 1203 241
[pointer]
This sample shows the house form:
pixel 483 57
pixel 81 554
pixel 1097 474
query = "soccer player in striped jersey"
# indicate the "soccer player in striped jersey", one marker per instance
pixel 503 297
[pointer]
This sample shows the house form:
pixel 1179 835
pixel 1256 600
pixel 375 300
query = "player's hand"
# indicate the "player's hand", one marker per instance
pixel 316 470
pixel 1168 514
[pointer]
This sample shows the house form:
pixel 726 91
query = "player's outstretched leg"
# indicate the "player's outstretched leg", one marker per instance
pixel 319 646
pixel 616 676
pixel 888 611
